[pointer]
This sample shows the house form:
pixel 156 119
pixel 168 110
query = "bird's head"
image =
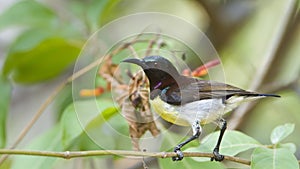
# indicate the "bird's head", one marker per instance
pixel 159 70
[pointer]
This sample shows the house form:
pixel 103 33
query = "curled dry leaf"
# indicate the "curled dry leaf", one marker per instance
pixel 133 99
pixel 107 67
pixel 136 109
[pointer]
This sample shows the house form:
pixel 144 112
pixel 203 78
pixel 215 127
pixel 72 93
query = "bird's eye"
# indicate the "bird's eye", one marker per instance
pixel 155 64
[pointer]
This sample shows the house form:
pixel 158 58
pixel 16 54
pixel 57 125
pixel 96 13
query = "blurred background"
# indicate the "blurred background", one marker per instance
pixel 257 41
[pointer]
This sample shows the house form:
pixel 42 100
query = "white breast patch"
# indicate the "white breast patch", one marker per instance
pixel 205 111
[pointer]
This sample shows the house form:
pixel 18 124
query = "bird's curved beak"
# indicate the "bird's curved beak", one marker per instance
pixel 136 61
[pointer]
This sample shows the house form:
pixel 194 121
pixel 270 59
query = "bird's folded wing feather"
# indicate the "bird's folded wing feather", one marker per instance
pixel 200 89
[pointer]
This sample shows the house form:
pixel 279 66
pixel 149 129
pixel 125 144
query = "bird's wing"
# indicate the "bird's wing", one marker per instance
pixel 201 89
pixel 191 89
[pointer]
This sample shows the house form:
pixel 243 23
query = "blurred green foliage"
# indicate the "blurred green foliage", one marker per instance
pixel 249 35
pixel 5 96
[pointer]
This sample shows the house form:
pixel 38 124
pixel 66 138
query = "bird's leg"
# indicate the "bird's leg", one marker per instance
pixel 217 156
pixel 196 133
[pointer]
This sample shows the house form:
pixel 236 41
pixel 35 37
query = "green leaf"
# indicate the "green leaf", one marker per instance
pixel 81 116
pixel 70 125
pixel 102 118
pixel 99 128
pixel 281 132
pixel 29 13
pixel 30 39
pixel 5 95
pixel 263 158
pixel 233 143
pixel 188 163
pixel 85 127
pixel 49 141
pixel 113 128
pixel 45 61
pixel 289 146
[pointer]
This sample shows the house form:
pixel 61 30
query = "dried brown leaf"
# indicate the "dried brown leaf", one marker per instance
pixel 134 100
pixel 136 109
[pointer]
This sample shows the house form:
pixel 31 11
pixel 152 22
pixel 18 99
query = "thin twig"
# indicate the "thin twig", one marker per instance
pixel 151 44
pixel 237 117
pixel 133 52
pixel 77 154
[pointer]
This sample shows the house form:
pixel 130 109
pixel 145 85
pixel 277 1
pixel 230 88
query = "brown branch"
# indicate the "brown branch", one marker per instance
pixel 77 154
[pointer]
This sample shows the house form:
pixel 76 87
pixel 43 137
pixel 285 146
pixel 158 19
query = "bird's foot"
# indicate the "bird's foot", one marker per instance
pixel 179 153
pixel 217 156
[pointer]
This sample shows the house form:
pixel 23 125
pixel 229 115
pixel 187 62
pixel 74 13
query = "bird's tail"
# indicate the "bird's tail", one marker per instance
pixel 250 94
pixel 268 95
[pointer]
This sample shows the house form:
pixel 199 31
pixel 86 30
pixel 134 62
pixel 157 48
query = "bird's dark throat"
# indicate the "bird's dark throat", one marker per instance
pixel 159 79
pixel 162 84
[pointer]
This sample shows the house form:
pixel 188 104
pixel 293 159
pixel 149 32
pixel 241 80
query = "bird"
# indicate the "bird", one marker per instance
pixel 189 101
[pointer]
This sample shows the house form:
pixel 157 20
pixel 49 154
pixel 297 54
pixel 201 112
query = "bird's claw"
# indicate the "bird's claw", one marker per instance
pixel 217 156
pixel 179 154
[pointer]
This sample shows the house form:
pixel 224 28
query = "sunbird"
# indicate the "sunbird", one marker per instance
pixel 188 101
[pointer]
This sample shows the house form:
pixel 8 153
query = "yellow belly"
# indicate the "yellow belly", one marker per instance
pixel 168 113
